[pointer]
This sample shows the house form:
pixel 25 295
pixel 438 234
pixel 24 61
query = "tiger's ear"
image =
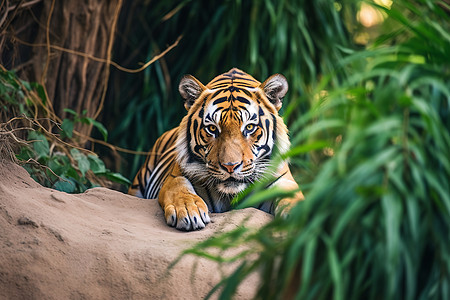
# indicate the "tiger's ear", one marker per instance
pixel 275 87
pixel 190 89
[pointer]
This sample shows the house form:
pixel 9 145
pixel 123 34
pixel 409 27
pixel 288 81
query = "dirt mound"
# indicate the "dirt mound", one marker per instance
pixel 101 244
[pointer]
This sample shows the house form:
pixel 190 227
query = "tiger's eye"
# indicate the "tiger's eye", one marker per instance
pixel 211 129
pixel 249 129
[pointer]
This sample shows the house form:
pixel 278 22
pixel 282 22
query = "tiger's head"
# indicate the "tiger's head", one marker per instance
pixel 232 127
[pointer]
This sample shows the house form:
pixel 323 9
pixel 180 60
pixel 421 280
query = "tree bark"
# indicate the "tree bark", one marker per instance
pixel 71 81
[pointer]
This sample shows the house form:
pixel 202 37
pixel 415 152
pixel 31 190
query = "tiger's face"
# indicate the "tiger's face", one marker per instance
pixel 227 139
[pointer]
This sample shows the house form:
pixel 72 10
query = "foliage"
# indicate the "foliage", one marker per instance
pixel 376 221
pixel 51 160
pixel 68 125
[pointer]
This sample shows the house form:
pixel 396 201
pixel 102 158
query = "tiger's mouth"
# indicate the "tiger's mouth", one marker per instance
pixel 232 180
pixel 233 183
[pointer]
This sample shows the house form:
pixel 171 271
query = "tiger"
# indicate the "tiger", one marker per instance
pixel 226 142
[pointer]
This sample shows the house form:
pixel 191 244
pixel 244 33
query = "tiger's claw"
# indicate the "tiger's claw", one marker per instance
pixel 187 213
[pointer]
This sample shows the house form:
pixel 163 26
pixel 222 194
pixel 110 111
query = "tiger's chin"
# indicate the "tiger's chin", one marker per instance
pixel 231 187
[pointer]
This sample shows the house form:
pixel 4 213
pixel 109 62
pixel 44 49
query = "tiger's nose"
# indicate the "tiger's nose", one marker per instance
pixel 231 167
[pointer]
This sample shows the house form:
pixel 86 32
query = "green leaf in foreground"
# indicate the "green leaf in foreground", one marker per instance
pixel 376 220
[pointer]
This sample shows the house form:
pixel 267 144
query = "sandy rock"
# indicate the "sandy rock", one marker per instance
pixel 101 244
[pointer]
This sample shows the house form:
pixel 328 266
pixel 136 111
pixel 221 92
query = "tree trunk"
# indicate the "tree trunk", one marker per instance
pixel 71 81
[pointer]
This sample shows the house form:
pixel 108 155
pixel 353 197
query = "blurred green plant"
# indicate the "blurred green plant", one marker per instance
pixel 52 160
pixel 376 219
pixel 72 173
pixel 13 99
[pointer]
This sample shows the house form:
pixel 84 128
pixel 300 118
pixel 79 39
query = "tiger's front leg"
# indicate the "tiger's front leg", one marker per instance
pixel 183 208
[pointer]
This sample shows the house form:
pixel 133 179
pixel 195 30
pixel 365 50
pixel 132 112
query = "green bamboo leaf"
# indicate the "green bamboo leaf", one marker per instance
pixel 308 263
pixel 233 281
pixel 261 196
pixel 306 148
pixel 335 269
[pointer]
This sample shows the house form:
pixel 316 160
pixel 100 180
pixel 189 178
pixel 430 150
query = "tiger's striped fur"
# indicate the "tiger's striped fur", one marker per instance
pixel 224 143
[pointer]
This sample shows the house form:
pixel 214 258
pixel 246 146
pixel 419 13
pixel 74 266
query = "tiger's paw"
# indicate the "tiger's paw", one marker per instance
pixel 188 212
pixel 284 206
